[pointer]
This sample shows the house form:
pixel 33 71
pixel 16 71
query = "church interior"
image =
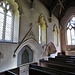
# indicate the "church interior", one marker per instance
pixel 37 37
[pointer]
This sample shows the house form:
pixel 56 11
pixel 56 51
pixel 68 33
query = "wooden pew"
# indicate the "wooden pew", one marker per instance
pixel 2 73
pixel 39 70
pixel 60 65
pixel 68 61
pixel 14 71
pixel 63 58
pixel 7 73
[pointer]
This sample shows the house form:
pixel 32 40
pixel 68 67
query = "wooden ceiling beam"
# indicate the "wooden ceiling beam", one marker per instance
pixel 45 2
pixel 68 4
pixel 52 6
pixel 61 4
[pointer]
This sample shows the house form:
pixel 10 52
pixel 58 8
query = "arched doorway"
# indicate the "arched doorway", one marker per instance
pixel 25 55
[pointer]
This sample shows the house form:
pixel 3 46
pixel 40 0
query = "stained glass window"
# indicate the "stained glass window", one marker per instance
pixel 71 32
pixel 1 22
pixel 55 35
pixel 42 30
pixel 6 22
pixel 8 29
pixel 39 33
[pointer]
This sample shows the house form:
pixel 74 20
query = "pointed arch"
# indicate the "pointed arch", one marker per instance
pixel 64 21
pixel 34 46
pixel 25 55
pixel 50 49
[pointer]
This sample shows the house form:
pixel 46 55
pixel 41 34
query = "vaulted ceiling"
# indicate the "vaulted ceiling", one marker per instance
pixel 58 7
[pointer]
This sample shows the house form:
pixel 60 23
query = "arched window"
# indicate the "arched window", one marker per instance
pixel 7 22
pixel 42 30
pixel 55 34
pixel 71 32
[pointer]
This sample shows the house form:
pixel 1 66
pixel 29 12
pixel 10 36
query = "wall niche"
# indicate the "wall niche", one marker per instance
pixel 25 55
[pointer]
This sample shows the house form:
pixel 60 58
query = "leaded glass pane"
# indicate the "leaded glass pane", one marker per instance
pixel 73 40
pixel 7 7
pixel 71 32
pixel 1 22
pixel 39 34
pixel 3 4
pixel 0 3
pixel 73 19
pixel 69 37
pixel 55 35
pixel 8 29
pixel 1 10
pixel 73 36
pixel 70 27
pixel 9 13
pixel 5 22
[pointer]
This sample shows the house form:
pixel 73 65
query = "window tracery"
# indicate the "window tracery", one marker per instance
pixel 71 32
pixel 7 22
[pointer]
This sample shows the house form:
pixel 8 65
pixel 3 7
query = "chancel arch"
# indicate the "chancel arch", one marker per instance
pixel 70 13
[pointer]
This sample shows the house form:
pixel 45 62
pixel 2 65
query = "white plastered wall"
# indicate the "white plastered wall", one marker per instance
pixel 27 17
